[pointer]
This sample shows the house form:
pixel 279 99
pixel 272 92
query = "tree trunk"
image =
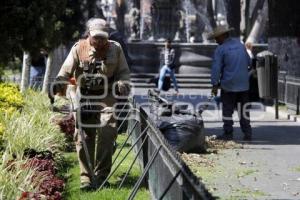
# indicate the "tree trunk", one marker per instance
pixel 25 71
pixel 121 11
pixel 259 25
pixel 210 12
pixel 98 10
pixel 258 6
pixel 137 4
pixel 91 7
pixel 247 18
pixel 234 15
pixel 244 18
pixel 47 72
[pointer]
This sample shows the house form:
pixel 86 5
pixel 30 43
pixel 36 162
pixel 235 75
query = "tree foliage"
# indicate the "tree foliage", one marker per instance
pixel 32 25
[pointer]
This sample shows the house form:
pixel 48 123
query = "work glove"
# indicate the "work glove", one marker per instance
pixel 58 87
pixel 123 88
pixel 214 90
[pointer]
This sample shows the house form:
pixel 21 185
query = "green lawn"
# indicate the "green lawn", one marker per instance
pixel 72 191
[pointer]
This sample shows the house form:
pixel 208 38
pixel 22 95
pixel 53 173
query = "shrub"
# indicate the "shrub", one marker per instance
pixel 10 98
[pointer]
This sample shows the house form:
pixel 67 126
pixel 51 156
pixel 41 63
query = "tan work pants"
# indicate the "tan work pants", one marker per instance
pixel 100 143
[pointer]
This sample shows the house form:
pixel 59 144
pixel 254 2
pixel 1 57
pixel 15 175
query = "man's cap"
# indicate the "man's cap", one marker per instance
pixel 219 30
pixel 97 27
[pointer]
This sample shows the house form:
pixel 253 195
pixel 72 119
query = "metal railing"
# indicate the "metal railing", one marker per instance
pixel 289 91
pixel 164 172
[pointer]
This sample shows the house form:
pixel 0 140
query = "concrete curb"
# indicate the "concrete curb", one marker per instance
pixel 284 115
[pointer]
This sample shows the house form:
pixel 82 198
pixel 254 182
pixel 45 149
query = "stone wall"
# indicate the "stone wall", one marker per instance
pixel 288 51
pixel 284 41
pixel 189 56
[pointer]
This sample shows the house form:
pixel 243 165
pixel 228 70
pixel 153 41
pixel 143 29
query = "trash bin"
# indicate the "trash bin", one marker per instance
pixel 267 75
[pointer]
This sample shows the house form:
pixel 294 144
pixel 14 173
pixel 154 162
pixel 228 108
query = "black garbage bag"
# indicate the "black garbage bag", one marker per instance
pixel 184 132
pixel 253 82
pixel 253 89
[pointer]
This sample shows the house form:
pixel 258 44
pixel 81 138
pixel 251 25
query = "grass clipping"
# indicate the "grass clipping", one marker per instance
pixel 214 146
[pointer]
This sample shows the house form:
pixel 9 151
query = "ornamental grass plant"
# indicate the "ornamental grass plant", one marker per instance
pixel 14 179
pixel 31 128
pixel 24 124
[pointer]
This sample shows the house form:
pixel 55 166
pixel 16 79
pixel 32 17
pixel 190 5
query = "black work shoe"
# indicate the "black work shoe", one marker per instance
pixel 86 187
pixel 225 136
pixel 247 137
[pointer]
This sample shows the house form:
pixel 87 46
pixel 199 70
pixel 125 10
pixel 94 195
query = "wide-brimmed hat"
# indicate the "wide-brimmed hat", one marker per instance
pixel 98 27
pixel 219 30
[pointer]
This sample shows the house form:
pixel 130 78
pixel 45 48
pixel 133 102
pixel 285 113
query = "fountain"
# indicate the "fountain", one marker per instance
pixel 185 22
pixel 148 23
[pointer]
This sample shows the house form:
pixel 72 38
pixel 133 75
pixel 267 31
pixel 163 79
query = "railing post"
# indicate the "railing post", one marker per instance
pixel 139 182
pixel 276 108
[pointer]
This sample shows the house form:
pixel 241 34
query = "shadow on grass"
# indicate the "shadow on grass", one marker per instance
pixel 67 161
pixel 119 145
pixel 129 182
pixel 67 166
pixel 72 191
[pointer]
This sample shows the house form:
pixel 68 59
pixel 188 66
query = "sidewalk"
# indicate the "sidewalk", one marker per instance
pixel 266 168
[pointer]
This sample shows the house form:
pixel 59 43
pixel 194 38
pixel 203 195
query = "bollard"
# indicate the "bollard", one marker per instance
pixel 298 102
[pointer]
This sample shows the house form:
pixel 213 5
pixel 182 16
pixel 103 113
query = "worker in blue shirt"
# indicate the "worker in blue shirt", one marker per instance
pixel 230 72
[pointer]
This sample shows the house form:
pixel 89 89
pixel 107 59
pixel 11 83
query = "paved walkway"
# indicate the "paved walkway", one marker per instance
pixel 266 168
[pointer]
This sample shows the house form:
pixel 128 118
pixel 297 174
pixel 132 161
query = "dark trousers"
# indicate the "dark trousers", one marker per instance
pixel 230 101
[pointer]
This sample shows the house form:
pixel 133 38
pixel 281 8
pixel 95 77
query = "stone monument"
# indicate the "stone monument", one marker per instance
pixel 134 24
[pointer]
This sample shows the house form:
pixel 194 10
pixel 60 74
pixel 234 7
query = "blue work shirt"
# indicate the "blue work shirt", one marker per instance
pixel 230 66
